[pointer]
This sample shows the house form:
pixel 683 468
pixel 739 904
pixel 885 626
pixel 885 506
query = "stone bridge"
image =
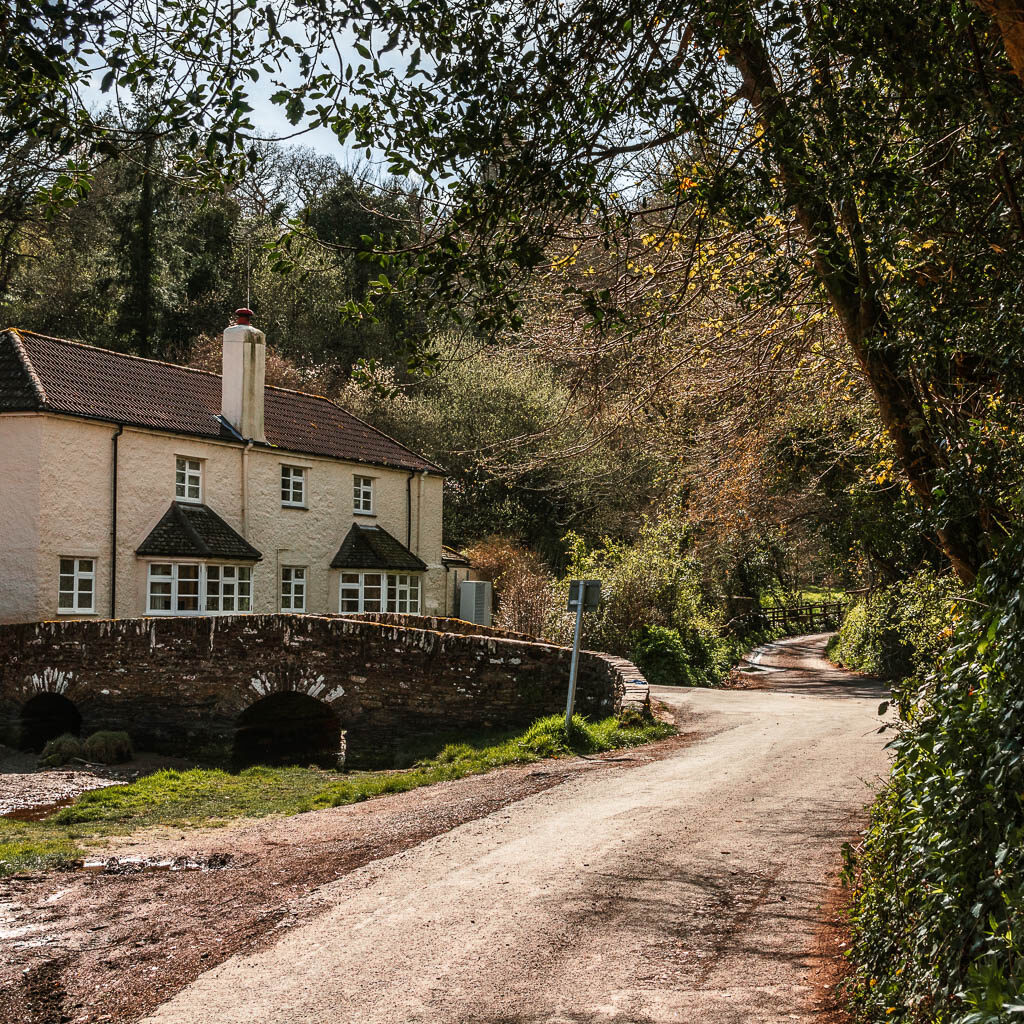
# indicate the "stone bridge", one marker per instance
pixel 288 687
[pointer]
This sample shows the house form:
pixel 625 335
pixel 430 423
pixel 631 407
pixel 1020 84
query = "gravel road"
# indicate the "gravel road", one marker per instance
pixel 690 888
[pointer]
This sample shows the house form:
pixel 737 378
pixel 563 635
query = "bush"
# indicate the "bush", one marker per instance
pixel 108 747
pixel 673 657
pixel 61 750
pixel 899 631
pixel 524 588
pixel 654 581
pixel 939 911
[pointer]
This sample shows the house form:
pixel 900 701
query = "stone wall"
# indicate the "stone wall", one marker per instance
pixel 179 684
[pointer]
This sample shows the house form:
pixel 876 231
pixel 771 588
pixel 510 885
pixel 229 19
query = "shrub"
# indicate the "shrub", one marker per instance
pixel 938 911
pixel 672 657
pixel 525 591
pixel 108 747
pixel 898 631
pixel 61 750
pixel 654 581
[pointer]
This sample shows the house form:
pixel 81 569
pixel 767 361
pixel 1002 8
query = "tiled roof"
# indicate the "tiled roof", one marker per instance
pixel 188 530
pixel 452 556
pixel 370 547
pixel 53 375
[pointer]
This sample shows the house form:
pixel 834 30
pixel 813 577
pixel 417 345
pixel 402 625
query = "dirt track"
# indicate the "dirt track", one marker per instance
pixel 690 888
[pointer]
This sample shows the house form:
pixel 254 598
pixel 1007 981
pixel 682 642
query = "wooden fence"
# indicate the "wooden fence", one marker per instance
pixel 806 618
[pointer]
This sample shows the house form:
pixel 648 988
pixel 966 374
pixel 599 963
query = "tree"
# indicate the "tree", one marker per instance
pixel 879 173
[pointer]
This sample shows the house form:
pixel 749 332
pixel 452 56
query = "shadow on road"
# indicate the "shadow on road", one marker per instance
pixel 799 665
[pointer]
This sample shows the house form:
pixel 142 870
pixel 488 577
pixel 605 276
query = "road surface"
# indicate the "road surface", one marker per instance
pixel 680 890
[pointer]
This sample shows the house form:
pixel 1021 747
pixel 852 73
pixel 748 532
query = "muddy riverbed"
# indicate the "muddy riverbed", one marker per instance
pixel 28 792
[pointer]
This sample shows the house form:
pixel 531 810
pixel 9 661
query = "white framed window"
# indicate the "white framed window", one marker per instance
pixel 362 494
pixel 375 592
pixel 76 590
pixel 361 591
pixel 194 588
pixel 293 486
pixel 293 588
pixel 228 588
pixel 188 479
pixel 403 593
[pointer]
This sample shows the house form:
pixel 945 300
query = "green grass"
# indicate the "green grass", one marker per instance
pixel 203 797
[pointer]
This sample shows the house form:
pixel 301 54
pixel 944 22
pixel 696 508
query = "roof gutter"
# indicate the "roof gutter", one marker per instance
pixel 245 488
pixel 419 511
pixel 113 525
pixel 408 509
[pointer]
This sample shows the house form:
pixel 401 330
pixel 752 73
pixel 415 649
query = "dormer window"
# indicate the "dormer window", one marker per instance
pixel 293 486
pixel 362 495
pixel 188 479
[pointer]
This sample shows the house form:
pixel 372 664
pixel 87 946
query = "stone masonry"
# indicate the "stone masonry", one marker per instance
pixel 178 685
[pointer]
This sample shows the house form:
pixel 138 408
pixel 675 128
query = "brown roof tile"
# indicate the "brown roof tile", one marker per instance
pixel 54 375
pixel 370 547
pixel 195 531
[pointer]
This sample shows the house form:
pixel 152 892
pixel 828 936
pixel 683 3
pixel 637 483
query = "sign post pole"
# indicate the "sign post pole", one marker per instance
pixel 575 660
pixel 584 595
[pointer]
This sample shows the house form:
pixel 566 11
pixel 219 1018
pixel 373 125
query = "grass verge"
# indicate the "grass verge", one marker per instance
pixel 209 797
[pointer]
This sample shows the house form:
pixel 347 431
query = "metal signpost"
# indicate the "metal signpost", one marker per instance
pixel 584 596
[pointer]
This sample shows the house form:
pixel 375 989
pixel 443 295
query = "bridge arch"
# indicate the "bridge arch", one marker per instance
pixel 288 727
pixel 46 716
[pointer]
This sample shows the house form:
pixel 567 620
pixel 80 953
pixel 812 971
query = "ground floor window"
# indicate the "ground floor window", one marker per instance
pixel 194 588
pixel 376 592
pixel 403 593
pixel 293 588
pixel 77 587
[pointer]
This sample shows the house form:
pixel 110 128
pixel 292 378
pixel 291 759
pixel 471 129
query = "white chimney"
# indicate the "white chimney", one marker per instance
pixel 244 369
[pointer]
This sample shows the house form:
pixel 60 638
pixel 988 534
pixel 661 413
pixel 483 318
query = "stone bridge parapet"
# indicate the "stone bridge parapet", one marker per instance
pixel 179 684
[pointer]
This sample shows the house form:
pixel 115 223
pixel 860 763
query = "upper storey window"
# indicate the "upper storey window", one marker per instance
pixel 362 494
pixel 293 486
pixel 188 479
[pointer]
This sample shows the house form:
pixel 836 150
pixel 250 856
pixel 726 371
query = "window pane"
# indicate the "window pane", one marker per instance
pixel 159 588
pixel 65 599
pixel 67 567
pixel 85 565
pixel 188 588
pixel 243 602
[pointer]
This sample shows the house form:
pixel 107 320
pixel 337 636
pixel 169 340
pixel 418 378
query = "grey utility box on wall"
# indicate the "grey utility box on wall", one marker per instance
pixel 475 602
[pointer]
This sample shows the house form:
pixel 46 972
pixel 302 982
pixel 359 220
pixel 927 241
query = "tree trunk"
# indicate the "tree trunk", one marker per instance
pixel 845 274
pixel 1009 17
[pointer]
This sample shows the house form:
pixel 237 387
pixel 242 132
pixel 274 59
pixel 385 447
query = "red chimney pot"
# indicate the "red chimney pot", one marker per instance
pixel 244 316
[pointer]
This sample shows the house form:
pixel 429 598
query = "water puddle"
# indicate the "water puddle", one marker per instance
pixel 39 811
